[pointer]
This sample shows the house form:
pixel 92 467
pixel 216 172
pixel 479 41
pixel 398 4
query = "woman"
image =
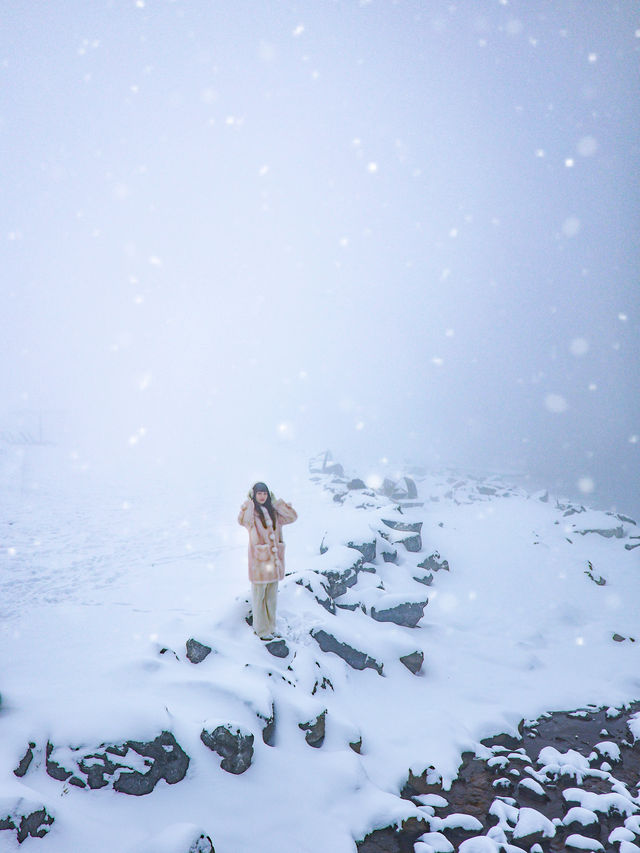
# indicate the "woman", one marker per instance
pixel 263 516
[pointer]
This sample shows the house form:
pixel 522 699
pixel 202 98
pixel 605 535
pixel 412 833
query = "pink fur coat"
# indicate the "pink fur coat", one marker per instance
pixel 266 546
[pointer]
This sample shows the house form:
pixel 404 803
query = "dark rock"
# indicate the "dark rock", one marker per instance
pixel 356 745
pixel 98 766
pixel 611 533
pixel 405 526
pixel 382 841
pixel 597 579
pixel 55 770
pixel 355 659
pixel 412 542
pixel 350 607
pixel 367 549
pixel 434 563
pixel 326 602
pixel 337 582
pixel 390 556
pixel 524 792
pixel 167 651
pixel 197 652
pixel 393 839
pixel 618 638
pixel 403 489
pixel 407 614
pixel 356 484
pixel 278 648
pixel 269 730
pixel 427 580
pixel 623 518
pixel 322 685
pixel 167 761
pixel 234 745
pixel 315 730
pixel 35 825
pixel 25 761
pixel 589 830
pixel 413 662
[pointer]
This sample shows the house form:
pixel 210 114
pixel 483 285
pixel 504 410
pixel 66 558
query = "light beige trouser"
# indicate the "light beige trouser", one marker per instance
pixel 264 597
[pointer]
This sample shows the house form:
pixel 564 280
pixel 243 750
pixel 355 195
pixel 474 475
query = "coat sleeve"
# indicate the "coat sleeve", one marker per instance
pixel 286 512
pixel 245 516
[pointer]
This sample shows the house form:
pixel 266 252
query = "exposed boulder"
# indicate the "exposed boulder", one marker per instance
pixel 315 730
pixel 233 743
pixel 197 652
pixel 25 761
pixel 582 821
pixel 356 659
pixel 407 526
pixel 405 533
pixel 407 614
pixel 104 766
pixel 278 648
pixel 27 818
pixel 610 533
pixel 269 730
pixel 367 549
pixel 338 582
pixel 434 563
pixel 413 662
pixel 400 490
pixel 167 759
pixel 356 483
pixel 311 581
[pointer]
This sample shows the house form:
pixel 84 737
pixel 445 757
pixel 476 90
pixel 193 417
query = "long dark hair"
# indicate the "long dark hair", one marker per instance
pixel 262 487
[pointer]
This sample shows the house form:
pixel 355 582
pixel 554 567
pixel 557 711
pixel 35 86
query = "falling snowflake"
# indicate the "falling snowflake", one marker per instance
pixel 579 346
pixel 571 226
pixel 586 485
pixel 555 403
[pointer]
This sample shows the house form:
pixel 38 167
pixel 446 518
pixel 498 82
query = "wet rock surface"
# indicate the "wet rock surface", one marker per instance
pixel 570 777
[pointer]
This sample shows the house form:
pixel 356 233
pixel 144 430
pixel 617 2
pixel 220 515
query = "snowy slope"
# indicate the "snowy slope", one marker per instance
pixel 521 597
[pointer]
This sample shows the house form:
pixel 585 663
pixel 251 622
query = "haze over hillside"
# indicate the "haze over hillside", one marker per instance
pixel 233 233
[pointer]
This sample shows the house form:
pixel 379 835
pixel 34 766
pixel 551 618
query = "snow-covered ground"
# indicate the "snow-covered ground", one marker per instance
pixel 99 595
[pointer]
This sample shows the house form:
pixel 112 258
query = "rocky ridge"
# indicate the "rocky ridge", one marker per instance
pixel 383 577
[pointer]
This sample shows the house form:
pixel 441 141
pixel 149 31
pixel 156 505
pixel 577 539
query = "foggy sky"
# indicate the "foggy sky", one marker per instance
pixel 233 231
